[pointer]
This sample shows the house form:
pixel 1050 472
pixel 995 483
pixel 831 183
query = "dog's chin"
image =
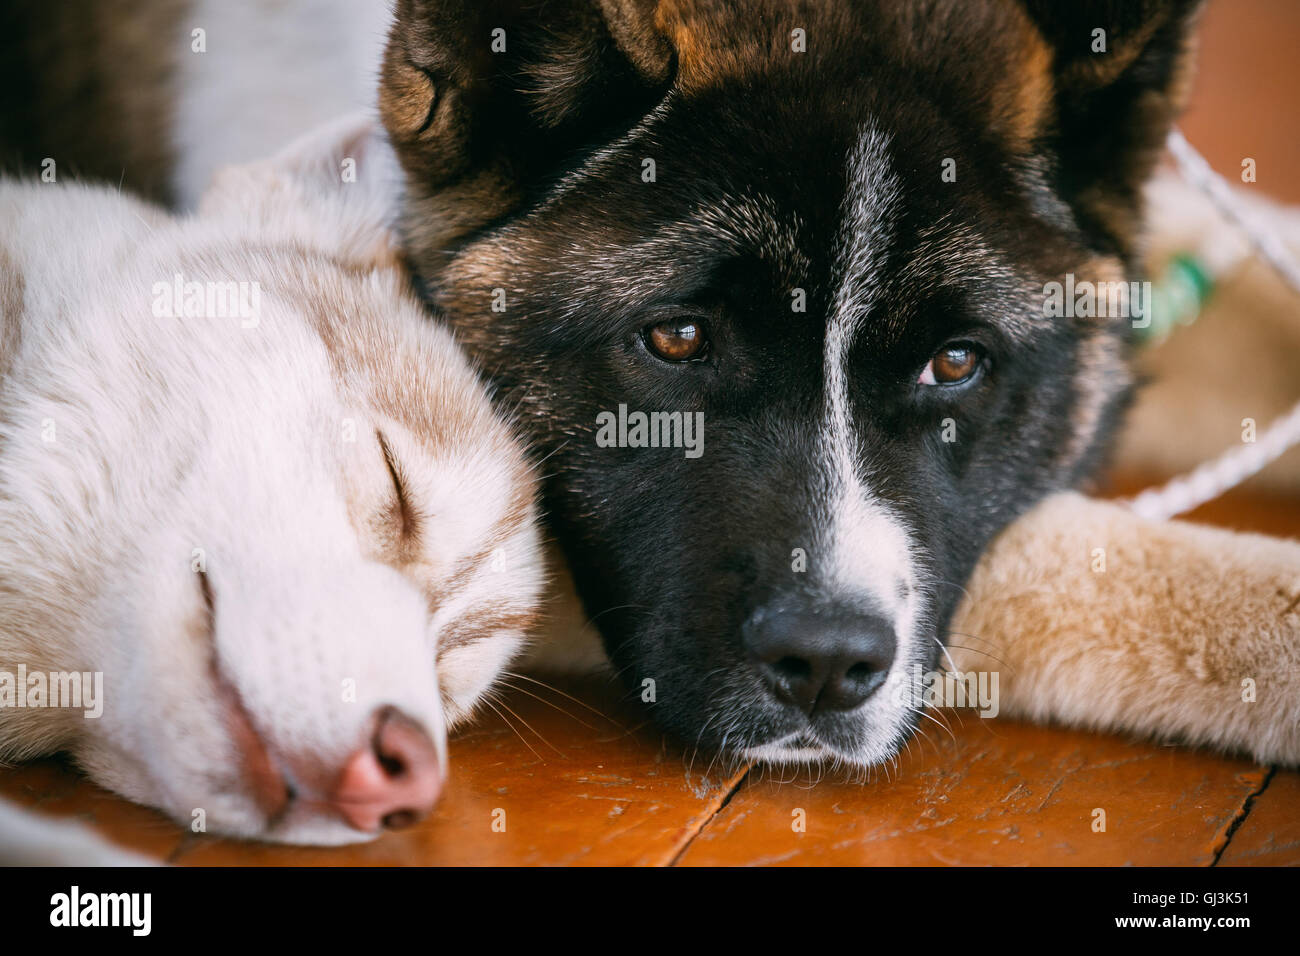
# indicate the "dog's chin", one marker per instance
pixel 871 744
pixel 803 751
pixel 796 750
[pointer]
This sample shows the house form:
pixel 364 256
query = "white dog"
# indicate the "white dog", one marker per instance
pixel 249 492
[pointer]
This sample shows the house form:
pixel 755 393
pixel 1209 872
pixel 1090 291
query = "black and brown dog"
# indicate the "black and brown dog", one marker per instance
pixel 827 228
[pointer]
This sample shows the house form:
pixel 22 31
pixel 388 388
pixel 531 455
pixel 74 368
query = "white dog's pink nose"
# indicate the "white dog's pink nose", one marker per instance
pixel 394 781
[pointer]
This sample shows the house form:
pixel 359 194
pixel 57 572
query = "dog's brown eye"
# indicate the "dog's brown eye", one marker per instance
pixel 952 366
pixel 678 340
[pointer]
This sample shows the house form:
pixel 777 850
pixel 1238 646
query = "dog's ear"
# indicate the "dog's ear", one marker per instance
pixel 319 162
pixel 333 187
pixel 1119 74
pixel 482 98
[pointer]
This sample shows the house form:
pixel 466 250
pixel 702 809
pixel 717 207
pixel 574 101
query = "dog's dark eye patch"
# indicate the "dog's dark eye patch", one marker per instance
pixel 627 288
pixel 208 616
pixel 909 327
pixel 435 95
pixel 403 514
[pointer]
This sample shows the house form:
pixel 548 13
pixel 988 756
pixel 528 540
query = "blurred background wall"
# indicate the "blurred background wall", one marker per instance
pixel 1246 96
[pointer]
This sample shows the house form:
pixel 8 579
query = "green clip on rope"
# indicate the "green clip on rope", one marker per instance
pixel 1178 297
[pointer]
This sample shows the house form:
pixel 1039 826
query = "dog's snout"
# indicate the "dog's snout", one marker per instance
pixel 393 780
pixel 820 658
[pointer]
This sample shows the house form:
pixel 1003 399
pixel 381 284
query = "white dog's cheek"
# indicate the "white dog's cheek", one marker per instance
pixel 466 673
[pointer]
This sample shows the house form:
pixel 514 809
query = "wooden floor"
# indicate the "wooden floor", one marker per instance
pixel 577 782
pixel 573 780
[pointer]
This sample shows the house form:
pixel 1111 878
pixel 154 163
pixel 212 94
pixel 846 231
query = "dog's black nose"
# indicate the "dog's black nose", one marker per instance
pixel 820 658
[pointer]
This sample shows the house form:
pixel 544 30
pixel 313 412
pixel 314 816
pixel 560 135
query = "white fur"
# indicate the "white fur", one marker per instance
pixel 256 444
pixel 870 549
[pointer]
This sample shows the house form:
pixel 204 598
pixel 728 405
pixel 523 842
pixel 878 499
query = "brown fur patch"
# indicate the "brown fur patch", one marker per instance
pixel 406 99
pixel 481 625
pixel 720 39
pixel 11 308
pixel 1101 367
pixel 88 83
pixel 1160 642
pixel 693 41
pixel 1103 68
pixel 632 25
pixel 1022 107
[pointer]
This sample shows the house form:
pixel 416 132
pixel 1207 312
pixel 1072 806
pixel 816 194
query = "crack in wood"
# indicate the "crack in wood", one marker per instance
pixel 738 781
pixel 1239 817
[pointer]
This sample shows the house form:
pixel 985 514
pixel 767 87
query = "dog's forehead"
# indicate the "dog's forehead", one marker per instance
pixel 691 183
pixel 803 195
pixel 869 212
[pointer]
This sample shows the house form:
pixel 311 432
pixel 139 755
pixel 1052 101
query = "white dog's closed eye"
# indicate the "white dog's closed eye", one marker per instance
pixel 322 537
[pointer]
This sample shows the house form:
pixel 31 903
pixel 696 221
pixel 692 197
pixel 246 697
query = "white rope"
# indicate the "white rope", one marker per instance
pixel 1235 465
pixel 1213 478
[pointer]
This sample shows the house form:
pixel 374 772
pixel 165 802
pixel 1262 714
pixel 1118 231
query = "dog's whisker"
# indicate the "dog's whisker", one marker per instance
pixel 975 637
pixel 981 651
pixel 516 716
pixel 944 649
pixel 946 729
pixel 507 722
pixel 556 690
pixel 548 703
pixel 950 584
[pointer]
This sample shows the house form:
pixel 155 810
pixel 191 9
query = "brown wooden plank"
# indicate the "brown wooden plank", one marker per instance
pixel 1270 833
pixel 1001 792
pixel 997 792
pixel 610 796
